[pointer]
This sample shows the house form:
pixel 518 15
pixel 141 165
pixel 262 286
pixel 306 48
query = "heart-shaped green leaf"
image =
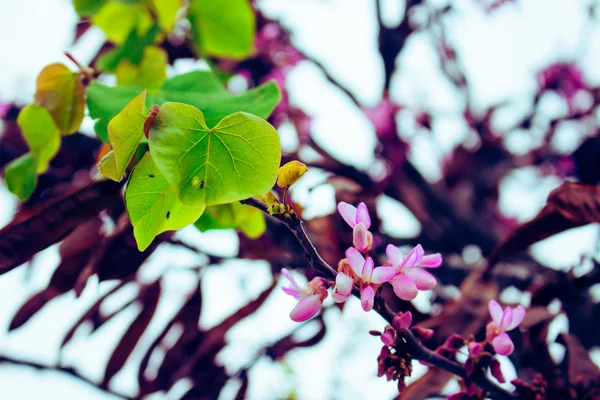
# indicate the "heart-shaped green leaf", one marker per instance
pixel 125 132
pixel 20 176
pixel 41 134
pixel 201 89
pixel 152 204
pixel 234 160
pixel 61 92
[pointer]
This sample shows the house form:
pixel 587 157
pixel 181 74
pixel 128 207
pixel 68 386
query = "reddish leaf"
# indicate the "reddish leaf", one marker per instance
pixel 32 306
pixel 287 343
pixel 34 230
pixel 90 314
pixel 188 316
pixel 205 347
pixel 580 368
pixel 149 298
pixel 569 206
pixel 243 390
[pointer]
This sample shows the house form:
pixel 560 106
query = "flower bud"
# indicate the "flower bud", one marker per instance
pixel 402 321
pixel 496 371
pixel 389 336
pixel 422 333
pixel 469 366
pixel 290 173
pixel 362 239
pixel 455 341
pixel 475 349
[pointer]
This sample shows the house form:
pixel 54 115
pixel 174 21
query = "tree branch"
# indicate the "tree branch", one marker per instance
pixel 419 351
pixel 65 370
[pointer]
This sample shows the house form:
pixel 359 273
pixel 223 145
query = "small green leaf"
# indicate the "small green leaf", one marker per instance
pixel 117 20
pixel 151 72
pixel 223 28
pixel 166 11
pixel 254 226
pixel 85 8
pixel 234 160
pixel 132 50
pixel 200 89
pixel 108 167
pixel 61 92
pixel 153 206
pixel 20 176
pixel 233 215
pixel 41 135
pixel 125 132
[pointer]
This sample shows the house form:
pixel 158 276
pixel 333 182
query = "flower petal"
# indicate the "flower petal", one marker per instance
pixel 356 260
pixel 413 258
pixel 495 311
pixel 290 278
pixel 394 255
pixel 404 287
pixel 507 317
pixel 362 215
pixel 367 270
pixel 503 345
pixel 348 212
pixel 423 279
pixel 367 297
pixel 295 293
pixel 431 261
pixel 306 308
pixel 517 318
pixel 402 321
pixel 343 288
pixel 383 274
pixel 360 238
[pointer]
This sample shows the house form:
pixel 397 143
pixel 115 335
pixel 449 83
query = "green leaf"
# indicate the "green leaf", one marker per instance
pixel 132 50
pixel 20 176
pixel 61 92
pixel 234 160
pixel 151 72
pixel 200 89
pixel 223 28
pixel 125 132
pixel 166 11
pixel 153 206
pixel 233 215
pixel 85 8
pixel 254 226
pixel 40 133
pixel 117 20
pixel 108 167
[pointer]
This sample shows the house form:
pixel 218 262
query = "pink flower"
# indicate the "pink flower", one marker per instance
pixel 343 287
pixel 360 221
pixel 310 298
pixel 369 276
pixel 409 277
pixel 503 321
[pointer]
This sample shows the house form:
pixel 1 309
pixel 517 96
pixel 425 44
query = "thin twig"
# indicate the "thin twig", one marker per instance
pixel 420 352
pixel 65 370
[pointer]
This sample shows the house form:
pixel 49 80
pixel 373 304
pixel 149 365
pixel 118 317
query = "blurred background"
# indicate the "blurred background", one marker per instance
pixel 491 103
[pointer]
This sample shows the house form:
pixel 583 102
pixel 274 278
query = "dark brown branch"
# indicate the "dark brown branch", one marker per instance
pixel 420 352
pixel 65 370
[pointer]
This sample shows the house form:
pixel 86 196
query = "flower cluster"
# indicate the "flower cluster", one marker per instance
pixel 406 274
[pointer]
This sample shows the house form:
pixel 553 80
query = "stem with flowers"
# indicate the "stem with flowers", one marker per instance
pixel 398 338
